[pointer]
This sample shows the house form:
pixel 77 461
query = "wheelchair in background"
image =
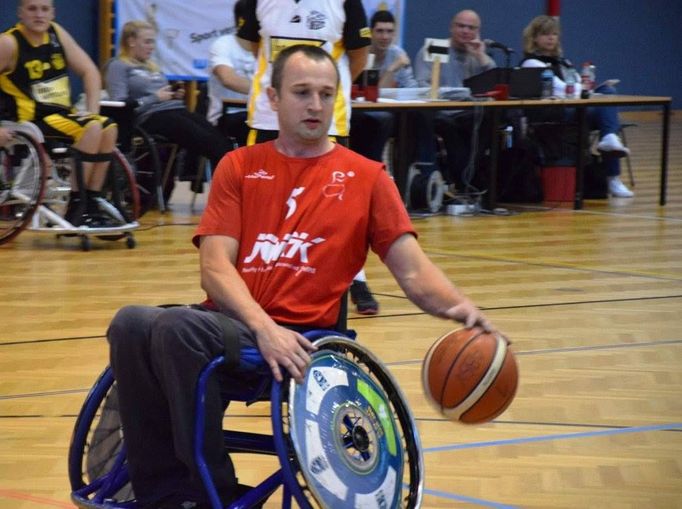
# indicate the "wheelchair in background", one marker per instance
pixel 156 160
pixel 345 437
pixel 35 176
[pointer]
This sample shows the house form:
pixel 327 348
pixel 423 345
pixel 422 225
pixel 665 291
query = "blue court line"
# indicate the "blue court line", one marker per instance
pixel 562 436
pixel 470 500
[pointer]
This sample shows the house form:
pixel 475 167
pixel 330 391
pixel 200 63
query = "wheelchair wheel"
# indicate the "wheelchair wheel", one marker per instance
pixel 22 183
pixel 346 437
pixel 148 160
pixel 120 188
pixel 97 465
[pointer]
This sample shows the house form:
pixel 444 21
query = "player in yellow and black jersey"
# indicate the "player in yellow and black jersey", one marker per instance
pixel 35 57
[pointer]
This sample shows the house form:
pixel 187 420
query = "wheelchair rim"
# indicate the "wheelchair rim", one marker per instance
pixel 18 219
pixel 104 481
pixel 303 471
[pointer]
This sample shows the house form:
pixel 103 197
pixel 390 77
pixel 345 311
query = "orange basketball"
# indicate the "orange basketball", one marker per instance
pixel 470 375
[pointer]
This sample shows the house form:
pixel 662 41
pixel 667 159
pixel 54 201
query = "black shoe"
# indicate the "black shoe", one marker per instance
pixel 99 221
pixel 75 211
pixel 102 211
pixel 360 295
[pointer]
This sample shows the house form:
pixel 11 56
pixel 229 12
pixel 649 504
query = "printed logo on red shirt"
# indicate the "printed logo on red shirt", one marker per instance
pixel 260 174
pixel 337 187
pixel 284 252
pixel 291 202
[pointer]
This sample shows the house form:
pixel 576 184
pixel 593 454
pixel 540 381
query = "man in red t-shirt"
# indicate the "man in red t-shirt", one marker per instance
pixel 287 226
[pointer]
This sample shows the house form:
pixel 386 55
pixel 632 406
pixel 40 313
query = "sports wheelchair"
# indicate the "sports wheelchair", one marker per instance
pixel 345 437
pixel 156 160
pixel 35 188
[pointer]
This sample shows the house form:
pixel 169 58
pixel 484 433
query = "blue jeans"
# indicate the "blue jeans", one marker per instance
pixel 605 120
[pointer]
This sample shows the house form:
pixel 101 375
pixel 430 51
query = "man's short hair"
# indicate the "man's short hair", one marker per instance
pixel 382 16
pixel 312 52
pixel 239 13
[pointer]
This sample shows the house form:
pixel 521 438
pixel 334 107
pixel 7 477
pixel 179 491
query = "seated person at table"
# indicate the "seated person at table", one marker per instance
pixel 370 130
pixel 467 57
pixel 232 65
pixel 265 300
pixel 542 48
pixel 133 77
pixel 35 56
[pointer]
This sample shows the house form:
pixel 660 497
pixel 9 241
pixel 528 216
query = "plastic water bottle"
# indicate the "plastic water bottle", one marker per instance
pixel 587 78
pixel 570 84
pixel 547 78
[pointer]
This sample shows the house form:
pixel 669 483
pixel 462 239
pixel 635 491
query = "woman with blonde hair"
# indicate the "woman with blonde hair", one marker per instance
pixel 542 48
pixel 135 78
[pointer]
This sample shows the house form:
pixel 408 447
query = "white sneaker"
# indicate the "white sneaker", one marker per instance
pixel 612 146
pixel 618 189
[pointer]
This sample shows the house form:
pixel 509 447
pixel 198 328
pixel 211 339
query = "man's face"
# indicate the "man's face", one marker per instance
pixel 465 28
pixel 305 102
pixel 36 15
pixel 382 35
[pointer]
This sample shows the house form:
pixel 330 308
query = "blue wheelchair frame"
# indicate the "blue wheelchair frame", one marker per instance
pixel 102 491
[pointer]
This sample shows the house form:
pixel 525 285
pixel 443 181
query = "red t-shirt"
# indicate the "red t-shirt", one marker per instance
pixel 304 225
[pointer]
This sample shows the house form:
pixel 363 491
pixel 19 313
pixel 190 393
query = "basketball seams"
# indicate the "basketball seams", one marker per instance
pixel 454 362
pixel 425 372
pixel 483 384
pixel 426 384
pixel 504 403
pixel 472 386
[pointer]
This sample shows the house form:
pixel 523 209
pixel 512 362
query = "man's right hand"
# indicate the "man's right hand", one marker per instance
pixel 282 347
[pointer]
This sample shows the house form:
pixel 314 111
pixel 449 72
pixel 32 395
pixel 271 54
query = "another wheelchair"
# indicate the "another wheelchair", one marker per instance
pixel 344 438
pixel 35 187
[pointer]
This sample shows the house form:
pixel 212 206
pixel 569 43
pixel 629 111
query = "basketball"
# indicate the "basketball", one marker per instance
pixel 470 375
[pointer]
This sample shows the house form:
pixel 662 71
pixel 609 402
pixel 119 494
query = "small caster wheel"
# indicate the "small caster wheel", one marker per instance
pixel 130 242
pixel 85 243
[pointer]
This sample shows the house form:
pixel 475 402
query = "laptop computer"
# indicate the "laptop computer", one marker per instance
pixel 524 82
pixel 485 81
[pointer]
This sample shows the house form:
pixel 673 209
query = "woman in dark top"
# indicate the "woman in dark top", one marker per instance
pixel 542 48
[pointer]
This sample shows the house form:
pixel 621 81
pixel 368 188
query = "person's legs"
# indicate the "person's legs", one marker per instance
pixel 606 120
pixel 107 142
pixel 369 133
pixel 189 130
pixel 156 355
pixel 234 124
pixel 456 129
pixel 420 125
pixel 361 295
pixel 93 139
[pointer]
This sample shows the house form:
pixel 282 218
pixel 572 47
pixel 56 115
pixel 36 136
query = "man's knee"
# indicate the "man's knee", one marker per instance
pixel 124 322
pixel 181 329
pixel 128 333
pixel 110 133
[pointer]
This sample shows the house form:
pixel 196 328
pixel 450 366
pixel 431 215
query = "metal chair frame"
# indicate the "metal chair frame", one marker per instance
pixel 108 487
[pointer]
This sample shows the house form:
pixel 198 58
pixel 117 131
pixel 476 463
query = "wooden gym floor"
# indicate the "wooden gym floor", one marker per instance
pixel 591 299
